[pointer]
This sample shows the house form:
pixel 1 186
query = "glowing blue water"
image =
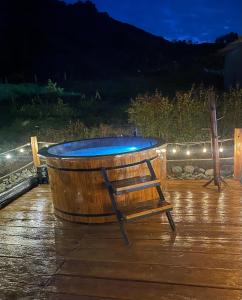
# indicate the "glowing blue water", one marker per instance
pixel 106 150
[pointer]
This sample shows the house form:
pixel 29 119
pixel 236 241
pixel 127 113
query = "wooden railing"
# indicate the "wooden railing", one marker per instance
pixel 237 155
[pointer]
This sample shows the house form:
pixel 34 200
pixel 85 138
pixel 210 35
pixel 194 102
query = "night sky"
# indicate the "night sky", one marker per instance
pixel 196 20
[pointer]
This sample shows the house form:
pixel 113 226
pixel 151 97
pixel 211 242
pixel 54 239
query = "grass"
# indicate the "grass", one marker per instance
pixel 30 109
pixel 13 91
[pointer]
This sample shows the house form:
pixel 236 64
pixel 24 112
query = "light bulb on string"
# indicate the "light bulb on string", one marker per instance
pixel 21 150
pixel 188 152
pixel 174 150
pixel 46 145
pixel 204 149
pixel 8 156
pixel 221 149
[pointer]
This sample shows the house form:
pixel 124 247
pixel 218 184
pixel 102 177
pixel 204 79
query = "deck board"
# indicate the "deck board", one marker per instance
pixel 42 257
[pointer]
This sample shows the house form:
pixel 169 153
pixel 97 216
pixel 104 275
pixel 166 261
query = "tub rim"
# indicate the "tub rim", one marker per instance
pixel 44 151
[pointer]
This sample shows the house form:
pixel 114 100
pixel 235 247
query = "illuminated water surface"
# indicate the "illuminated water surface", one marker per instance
pixel 106 150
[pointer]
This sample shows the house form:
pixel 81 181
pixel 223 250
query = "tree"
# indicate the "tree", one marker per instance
pixel 227 38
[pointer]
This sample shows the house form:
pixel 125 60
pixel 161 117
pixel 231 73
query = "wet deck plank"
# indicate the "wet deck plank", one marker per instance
pixel 42 257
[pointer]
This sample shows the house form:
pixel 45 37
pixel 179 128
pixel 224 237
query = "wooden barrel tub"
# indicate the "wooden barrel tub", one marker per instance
pixel 77 184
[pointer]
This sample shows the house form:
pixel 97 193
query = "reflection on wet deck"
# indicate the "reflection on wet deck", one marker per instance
pixel 46 258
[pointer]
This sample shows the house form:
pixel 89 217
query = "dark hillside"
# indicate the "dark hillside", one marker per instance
pixel 44 39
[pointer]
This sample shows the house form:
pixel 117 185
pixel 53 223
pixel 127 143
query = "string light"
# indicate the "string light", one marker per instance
pixel 221 149
pixel 204 150
pixel 10 153
pixel 188 152
pixel 174 150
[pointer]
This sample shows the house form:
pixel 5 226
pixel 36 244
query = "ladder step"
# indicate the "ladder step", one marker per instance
pixel 147 209
pixel 133 184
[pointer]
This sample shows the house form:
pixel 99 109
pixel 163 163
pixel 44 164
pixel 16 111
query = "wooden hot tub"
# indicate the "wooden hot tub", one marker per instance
pixel 76 178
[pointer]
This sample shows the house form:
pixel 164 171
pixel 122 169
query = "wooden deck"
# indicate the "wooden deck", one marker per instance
pixel 45 258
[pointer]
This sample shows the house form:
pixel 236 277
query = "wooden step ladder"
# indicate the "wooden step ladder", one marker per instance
pixel 145 208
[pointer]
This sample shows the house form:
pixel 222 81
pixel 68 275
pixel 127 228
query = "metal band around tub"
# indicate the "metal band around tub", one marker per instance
pixel 85 215
pixel 99 169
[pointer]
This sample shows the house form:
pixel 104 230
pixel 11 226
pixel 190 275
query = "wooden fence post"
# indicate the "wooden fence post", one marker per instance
pixel 34 146
pixel 217 179
pixel 237 153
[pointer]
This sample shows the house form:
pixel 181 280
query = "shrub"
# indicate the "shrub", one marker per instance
pixel 40 109
pixel 185 117
pixel 230 109
pixel 54 89
pixel 152 114
pixel 78 130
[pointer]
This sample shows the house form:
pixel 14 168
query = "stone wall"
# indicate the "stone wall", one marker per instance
pixel 189 171
pixel 16 178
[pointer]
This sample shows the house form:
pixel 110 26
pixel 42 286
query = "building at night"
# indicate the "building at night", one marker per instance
pixel 233 64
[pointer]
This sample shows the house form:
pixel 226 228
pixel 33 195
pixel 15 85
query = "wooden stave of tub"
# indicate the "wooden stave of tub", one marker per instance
pixel 81 196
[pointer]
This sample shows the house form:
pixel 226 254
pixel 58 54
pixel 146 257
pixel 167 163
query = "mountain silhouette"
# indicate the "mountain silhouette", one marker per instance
pixel 48 38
